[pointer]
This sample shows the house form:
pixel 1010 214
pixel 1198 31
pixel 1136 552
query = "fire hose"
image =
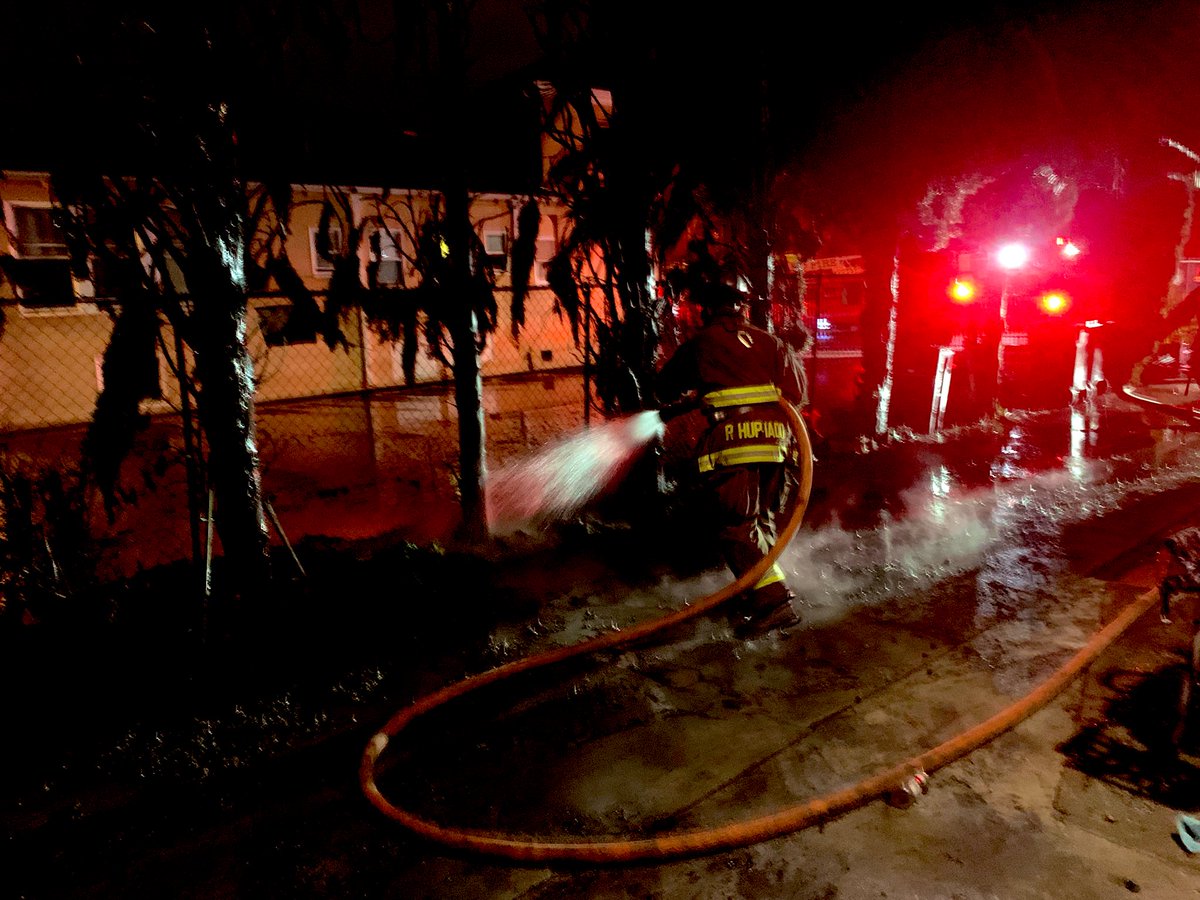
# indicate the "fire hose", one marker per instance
pixel 736 834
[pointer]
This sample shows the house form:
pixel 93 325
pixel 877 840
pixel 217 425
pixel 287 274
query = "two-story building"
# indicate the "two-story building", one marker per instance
pixel 56 327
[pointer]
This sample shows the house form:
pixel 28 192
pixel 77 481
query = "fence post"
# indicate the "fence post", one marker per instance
pixel 362 349
pixel 587 357
pixel 189 447
pixel 366 386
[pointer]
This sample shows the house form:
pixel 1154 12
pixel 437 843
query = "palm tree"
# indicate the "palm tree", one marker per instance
pixel 166 219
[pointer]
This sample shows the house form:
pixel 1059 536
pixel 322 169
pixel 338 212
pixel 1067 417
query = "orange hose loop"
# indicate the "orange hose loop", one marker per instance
pixel 516 849
pixel 736 834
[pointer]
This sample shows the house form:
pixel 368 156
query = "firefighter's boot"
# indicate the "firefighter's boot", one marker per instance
pixel 768 609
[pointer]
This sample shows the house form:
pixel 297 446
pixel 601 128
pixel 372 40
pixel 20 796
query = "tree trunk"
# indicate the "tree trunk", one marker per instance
pixel 639 329
pixel 878 331
pixel 758 268
pixel 455 139
pixel 225 371
pixel 468 397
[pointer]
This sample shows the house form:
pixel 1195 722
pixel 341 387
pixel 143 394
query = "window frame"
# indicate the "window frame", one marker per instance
pixel 10 222
pixel 322 268
pixel 498 260
pixel 540 274
pixel 389 252
pixel 82 292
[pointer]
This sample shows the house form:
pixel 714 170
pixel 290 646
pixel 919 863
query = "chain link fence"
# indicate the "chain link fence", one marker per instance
pixel 355 439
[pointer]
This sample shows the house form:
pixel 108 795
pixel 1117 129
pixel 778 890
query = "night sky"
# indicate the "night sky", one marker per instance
pixel 322 93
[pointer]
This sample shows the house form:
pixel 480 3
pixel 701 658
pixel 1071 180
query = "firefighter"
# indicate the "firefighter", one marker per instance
pixel 746 458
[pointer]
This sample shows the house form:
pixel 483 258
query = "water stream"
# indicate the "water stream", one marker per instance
pixel 559 479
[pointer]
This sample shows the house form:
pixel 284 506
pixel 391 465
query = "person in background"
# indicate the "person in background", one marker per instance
pixel 745 459
pixel 1088 382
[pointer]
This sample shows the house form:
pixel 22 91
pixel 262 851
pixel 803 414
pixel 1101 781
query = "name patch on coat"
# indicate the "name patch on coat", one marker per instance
pixel 756 428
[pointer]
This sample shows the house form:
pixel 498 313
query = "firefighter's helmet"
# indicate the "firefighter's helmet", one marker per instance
pixel 715 296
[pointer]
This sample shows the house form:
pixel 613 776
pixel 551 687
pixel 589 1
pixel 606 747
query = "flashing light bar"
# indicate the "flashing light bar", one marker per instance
pixel 1067 248
pixel 1012 256
pixel 962 290
pixel 1054 302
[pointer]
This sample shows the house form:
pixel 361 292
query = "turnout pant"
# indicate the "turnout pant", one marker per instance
pixel 745 505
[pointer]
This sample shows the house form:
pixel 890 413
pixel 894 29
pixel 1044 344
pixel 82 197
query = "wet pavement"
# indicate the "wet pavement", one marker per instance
pixel 972 585
pixel 941 580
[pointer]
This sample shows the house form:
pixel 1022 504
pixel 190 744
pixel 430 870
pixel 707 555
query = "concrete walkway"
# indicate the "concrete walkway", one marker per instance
pixel 953 605
pixel 1077 801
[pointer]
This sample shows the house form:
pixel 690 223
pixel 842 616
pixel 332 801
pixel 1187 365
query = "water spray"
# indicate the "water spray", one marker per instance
pixel 523 848
pixel 734 834
pixel 562 477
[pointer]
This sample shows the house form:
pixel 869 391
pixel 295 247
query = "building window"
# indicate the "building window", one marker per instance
pixel 323 265
pixel 39 267
pixel 495 248
pixel 37 234
pixel 541 260
pixel 385 255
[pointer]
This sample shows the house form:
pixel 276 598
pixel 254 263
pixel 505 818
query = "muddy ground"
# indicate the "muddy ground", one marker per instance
pixel 163 757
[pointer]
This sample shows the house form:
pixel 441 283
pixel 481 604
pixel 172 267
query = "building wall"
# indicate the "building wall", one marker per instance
pixel 50 366
pixel 50 358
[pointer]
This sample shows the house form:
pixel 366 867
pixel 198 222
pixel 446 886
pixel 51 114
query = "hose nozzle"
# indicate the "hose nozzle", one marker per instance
pixel 678 408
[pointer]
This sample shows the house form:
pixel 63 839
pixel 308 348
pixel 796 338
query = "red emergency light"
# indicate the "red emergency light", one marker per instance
pixel 1012 256
pixel 962 290
pixel 1067 248
pixel 1054 302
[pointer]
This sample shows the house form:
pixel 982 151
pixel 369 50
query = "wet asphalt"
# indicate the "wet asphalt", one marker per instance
pixel 937 592
pixel 940 580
